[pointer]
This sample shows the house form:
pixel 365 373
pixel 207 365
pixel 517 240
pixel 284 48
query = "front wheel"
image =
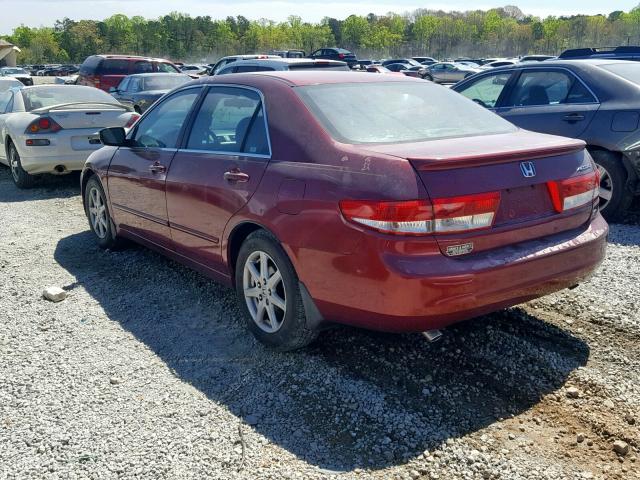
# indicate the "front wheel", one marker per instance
pixel 269 294
pixel 21 178
pixel 427 77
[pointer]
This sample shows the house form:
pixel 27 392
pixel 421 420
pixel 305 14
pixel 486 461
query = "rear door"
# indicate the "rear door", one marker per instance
pixel 137 174
pixel 217 171
pixel 549 100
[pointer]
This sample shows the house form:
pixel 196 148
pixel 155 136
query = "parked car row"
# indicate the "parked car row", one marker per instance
pixel 295 180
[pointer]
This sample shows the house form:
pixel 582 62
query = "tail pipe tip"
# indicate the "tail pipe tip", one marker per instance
pixel 432 335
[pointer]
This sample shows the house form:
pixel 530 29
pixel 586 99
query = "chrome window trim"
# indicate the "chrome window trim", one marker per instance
pixel 264 115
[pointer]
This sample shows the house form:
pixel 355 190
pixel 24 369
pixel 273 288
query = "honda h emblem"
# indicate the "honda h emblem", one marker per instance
pixel 528 169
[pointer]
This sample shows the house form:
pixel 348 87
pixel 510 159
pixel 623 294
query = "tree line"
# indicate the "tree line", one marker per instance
pixel 179 36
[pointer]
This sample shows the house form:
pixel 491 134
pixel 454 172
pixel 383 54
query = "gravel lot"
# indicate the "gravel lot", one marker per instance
pixel 146 371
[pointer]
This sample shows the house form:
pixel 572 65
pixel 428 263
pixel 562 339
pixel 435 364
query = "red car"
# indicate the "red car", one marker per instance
pixel 378 201
pixel 106 71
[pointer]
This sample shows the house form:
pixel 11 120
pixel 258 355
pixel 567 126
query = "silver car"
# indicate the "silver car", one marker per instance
pixel 449 72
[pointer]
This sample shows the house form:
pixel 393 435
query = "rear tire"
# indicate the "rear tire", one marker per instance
pixel 20 177
pixel 97 211
pixel 614 196
pixel 269 294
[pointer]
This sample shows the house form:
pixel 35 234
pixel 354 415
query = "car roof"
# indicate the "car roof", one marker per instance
pixel 158 74
pixel 300 78
pixel 132 57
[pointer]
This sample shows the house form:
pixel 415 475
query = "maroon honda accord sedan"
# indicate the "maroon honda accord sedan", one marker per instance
pixel 382 202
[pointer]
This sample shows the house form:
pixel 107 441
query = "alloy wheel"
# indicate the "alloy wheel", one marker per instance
pixel 264 291
pixel 14 164
pixel 98 213
pixel 606 187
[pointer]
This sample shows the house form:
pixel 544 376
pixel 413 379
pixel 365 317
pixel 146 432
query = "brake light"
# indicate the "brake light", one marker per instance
pixel 132 120
pixel 422 217
pixel 341 55
pixel 43 125
pixel 574 192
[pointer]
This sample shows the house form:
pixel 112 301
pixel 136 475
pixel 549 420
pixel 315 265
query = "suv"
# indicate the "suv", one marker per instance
pixel 339 54
pixel 224 61
pixel 281 64
pixel 617 53
pixel 106 71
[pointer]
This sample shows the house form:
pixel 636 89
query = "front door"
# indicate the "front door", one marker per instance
pixel 550 101
pixel 217 172
pixel 137 174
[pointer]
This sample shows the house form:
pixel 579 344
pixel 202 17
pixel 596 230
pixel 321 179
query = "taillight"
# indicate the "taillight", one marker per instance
pixel 132 120
pixel 43 125
pixel 422 217
pixel 574 192
pixel 341 55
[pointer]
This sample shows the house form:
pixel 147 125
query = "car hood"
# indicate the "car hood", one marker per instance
pixel 18 75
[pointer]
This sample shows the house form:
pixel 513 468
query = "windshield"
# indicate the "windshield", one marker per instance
pixel 394 112
pixel 165 82
pixel 40 97
pixel 13 71
pixel 627 70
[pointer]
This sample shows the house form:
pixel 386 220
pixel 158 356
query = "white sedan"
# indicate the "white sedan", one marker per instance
pixel 54 128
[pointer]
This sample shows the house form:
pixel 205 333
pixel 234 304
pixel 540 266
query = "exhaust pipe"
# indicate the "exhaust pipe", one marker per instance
pixel 432 336
pixel 60 169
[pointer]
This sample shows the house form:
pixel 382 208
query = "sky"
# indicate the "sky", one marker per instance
pixel 36 13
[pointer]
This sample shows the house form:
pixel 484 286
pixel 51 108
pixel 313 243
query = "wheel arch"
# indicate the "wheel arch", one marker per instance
pixel 237 236
pixel 631 169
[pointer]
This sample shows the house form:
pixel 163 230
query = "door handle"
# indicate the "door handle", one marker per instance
pixel 573 117
pixel 157 168
pixel 236 176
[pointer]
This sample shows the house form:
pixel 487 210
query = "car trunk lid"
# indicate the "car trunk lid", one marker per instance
pixel 90 116
pixel 518 166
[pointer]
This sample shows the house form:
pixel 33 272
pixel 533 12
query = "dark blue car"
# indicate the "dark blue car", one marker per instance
pixel 597 101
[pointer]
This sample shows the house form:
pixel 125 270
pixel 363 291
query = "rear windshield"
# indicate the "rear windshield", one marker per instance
pixel 628 70
pixel 13 71
pixel 40 97
pixel 320 65
pixel 165 82
pixel 394 112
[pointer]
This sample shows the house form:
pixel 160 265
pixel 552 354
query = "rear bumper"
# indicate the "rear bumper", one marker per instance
pixel 434 291
pixel 69 149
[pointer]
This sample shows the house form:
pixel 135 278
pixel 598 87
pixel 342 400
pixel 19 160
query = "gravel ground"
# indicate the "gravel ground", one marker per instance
pixel 146 371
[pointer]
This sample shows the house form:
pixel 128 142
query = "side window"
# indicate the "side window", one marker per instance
pixel 124 84
pixel 167 68
pixel 161 127
pixel 6 98
pixel 580 94
pixel 143 67
pixel 226 70
pixel 135 85
pixel 246 68
pixel 541 87
pixel 486 91
pixel 230 120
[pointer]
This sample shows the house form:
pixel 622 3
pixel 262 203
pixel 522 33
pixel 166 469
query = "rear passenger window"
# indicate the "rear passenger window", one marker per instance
pixel 548 88
pixel 580 94
pixel 112 66
pixel 230 120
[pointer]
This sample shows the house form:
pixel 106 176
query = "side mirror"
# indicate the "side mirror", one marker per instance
pixel 113 137
pixel 113 90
